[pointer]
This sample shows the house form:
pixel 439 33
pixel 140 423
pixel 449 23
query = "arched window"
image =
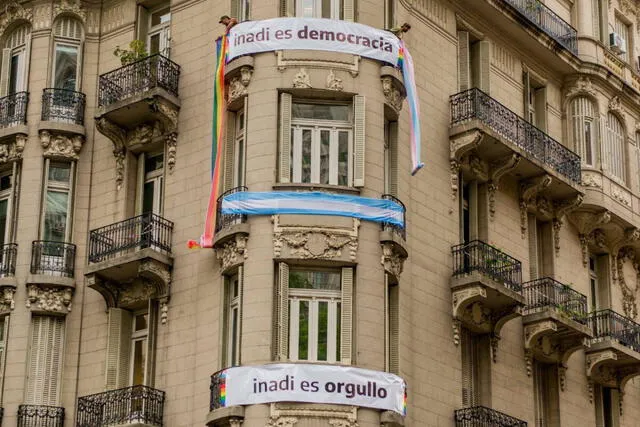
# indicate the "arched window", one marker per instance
pixel 67 32
pixel 614 149
pixel 15 61
pixel 583 124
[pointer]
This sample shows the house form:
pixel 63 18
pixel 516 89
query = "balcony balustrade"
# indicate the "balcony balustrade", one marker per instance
pixel 139 405
pixel 53 258
pixel 63 106
pixel 13 109
pixel 478 256
pixel 40 416
pixel 480 416
pixel 224 221
pixel 9 253
pixel 393 228
pixel 549 294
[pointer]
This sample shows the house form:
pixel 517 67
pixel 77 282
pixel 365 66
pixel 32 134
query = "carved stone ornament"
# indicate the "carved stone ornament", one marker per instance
pixel 57 299
pixel 143 134
pixel 157 273
pixel 172 142
pixel 315 242
pixel 59 146
pixel 301 80
pixel 343 423
pixel 529 199
pixel 69 7
pixel 135 292
pixel 593 180
pixel 459 145
pixel 628 271
pixel 14 12
pixel 12 151
pixel 335 415
pixel 562 208
pixel 392 259
pixel 333 82
pixel 392 95
pixel 581 86
pixel 615 105
pixel 166 115
pixel 232 252
pixel 119 155
pixel 498 169
pixel 7 303
pixel 118 137
pixel 235 422
pixel 621 195
pixel 282 422
pixel 239 84
pixel 587 223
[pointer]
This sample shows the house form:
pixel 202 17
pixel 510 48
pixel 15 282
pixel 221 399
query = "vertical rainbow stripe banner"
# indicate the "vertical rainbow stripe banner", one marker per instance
pixel 405 62
pixel 219 112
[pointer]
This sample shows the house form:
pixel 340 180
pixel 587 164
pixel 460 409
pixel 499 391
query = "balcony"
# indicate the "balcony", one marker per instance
pixel 486 289
pixel 555 322
pixel 613 357
pixel 40 416
pixel 220 415
pixel 393 239
pixel 52 265
pixel 231 233
pixel 62 120
pixel 139 405
pixel 8 283
pixel 13 114
pixel 480 416
pixel 129 249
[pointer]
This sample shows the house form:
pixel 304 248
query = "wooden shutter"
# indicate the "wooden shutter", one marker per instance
pixel 27 64
pixel 143 25
pixel 393 326
pixel 45 360
pixel 287 8
pixel 526 87
pixel 228 157
pixel 464 70
pixel 346 321
pixel 281 318
pixel 533 247
pixel 393 158
pixel 285 138
pixel 236 10
pixel 484 58
pixel 349 10
pixel 541 108
pixel 5 72
pixel 240 311
pixel 4 325
pixel 359 124
pixel 118 348
pixel 469 348
pixel 223 339
pixel 152 332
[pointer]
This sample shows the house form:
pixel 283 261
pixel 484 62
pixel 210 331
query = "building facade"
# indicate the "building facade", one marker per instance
pixel 508 298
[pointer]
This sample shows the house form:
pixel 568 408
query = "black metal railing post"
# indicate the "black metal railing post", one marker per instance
pixel 484 258
pixel 9 253
pixel 53 258
pixel 547 293
pixel 475 104
pixel 481 416
pixel 609 324
pixel 143 231
pixel 215 397
pixel 40 416
pixel 227 220
pixel 13 109
pixel 155 71
pixel 388 226
pixel 63 105
pixel 136 404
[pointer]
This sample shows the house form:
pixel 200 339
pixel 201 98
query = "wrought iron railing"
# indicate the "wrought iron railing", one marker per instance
pixel 13 109
pixel 475 104
pixel 8 252
pixel 547 293
pixel 155 71
pixel 609 324
pixel 481 257
pixel 53 258
pixel 62 105
pixel 227 220
pixel 548 21
pixel 140 232
pixel 387 226
pixel 480 416
pixel 138 404
pixel 216 398
pixel 40 416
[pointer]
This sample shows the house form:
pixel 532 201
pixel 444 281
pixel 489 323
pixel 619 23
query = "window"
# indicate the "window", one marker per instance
pixel 615 148
pixel 584 128
pixel 154 28
pixel 66 64
pixel 241 9
pixel 473 62
pixel 232 322
pixel 622 30
pixel 151 185
pixel 606 404
pixel 313 314
pixel 392 324
pixel 57 201
pixel 535 101
pixel 546 397
pixel 331 9
pixel 4 337
pixel 15 61
pixel 473 210
pixel 45 360
pixel 389 14
pixel 139 335
pixel 540 248
pixel 235 150
pixel 470 347
pixel 391 157
pixel 7 203
pixel 593 283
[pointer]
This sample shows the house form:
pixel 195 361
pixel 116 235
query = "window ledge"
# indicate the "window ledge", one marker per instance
pixel 13 130
pixel 340 189
pixel 221 416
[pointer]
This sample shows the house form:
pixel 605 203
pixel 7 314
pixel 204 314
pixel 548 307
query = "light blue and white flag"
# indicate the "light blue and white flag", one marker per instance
pixel 313 203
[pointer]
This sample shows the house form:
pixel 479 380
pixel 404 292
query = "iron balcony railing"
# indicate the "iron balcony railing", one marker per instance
pixel 481 257
pixel 547 21
pixel 9 252
pixel 13 109
pixel 227 220
pixel 40 416
pixel 155 71
pixel 139 404
pixel 140 232
pixel 53 258
pixel 609 324
pixel 62 105
pixel 480 416
pixel 216 398
pixel 386 226
pixel 547 293
pixel 475 104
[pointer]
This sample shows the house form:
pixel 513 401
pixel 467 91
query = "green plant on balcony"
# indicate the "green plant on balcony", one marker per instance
pixel 137 50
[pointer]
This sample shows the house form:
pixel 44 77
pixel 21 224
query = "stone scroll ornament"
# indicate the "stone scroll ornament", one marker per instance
pixel 251 37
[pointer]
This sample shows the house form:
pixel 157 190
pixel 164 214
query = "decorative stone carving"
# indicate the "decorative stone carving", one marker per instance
pixel 167 115
pixel 333 82
pixel 621 195
pixel 335 415
pixel 343 423
pixel 581 86
pixel 157 273
pixel 392 95
pixel 172 142
pixel 135 292
pixel 533 331
pixel 615 105
pixel 301 80
pixel 593 180
pixel 235 422
pixel 457 326
pixel 282 422
pixel 143 134
pixel 494 341
pixel 562 376
pixel 164 311
pixel 392 259
pixel 562 208
pixel 55 299
pixel 239 84
pixel 458 147
pixel 61 146
pixel 628 271
pixel 465 297
pixel 529 192
pixel 14 12
pixel 12 151
pixel 119 155
pixel 7 303
pixel 587 223
pixel 499 169
pixel 118 137
pixel 69 7
pixel 232 252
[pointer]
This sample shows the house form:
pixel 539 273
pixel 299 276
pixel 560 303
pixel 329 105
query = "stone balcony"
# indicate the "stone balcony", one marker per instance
pixel 40 416
pixel 61 128
pixel 51 281
pixel 480 416
pixel 8 283
pixel 139 405
pixel 13 114
pixel 486 289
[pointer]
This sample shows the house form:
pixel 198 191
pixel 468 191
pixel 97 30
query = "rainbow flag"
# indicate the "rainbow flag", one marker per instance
pixel 405 63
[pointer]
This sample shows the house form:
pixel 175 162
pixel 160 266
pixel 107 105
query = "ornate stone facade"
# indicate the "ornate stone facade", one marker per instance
pixel 49 299
pixel 61 146
pixel 232 252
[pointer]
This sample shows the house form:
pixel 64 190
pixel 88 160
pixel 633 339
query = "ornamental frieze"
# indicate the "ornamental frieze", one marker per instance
pixel 14 12
pixel 232 252
pixel 59 146
pixel 7 302
pixel 51 299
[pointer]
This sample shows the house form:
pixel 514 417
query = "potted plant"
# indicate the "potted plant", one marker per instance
pixel 137 50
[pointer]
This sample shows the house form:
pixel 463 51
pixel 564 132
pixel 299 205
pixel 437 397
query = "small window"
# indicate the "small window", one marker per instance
pixel 139 337
pixel 151 187
pixel 6 209
pixel 391 157
pixel 615 150
pixel 331 9
pixel 57 201
pixel 241 9
pixel 159 32
pixel 66 65
pixel 584 129
pixel 622 30
pixel 15 60
pixel 233 318
pixel 392 324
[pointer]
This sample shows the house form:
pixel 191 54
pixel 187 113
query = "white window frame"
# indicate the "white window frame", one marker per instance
pixel 58 187
pixel 240 148
pixel 616 145
pixel 139 336
pixel 336 12
pixel 156 177
pixel 8 195
pixel 45 361
pixel 624 31
pixel 54 62
pixel 594 283
pixel 234 318
pixel 334 127
pixel 583 114
pixel 163 30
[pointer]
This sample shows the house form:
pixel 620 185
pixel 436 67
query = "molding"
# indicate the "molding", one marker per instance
pixel 72 7
pixel 458 146
pixel 238 85
pixel 49 299
pixel 562 208
pixel 393 95
pixel 232 252
pixel 61 146
pixel 171 140
pixel 301 80
pixel 334 82
pixel 14 12
pixel 12 150
pixel 498 169
pixel 582 86
pixel 7 301
pixel 529 199
pixel 587 224
pixel 392 259
pixel 309 59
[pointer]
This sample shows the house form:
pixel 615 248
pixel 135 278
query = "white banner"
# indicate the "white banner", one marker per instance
pixel 343 385
pixel 251 37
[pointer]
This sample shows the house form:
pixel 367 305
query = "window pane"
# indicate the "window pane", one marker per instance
pixel 55 219
pixel 15 73
pixel 142 322
pixel 587 143
pixel 154 44
pixel 4 204
pixel 343 158
pixel 147 197
pixel 306 155
pixel 5 182
pixel 320 280
pixel 235 291
pixel 161 17
pixel 59 172
pixel 338 330
pixel 303 331
pixel 66 67
pixel 153 163
pixel 325 142
pixel 323 328
pixel 240 165
pixel 139 359
pixel 326 8
pixel 307 8
pixel 234 337
pixel 321 112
